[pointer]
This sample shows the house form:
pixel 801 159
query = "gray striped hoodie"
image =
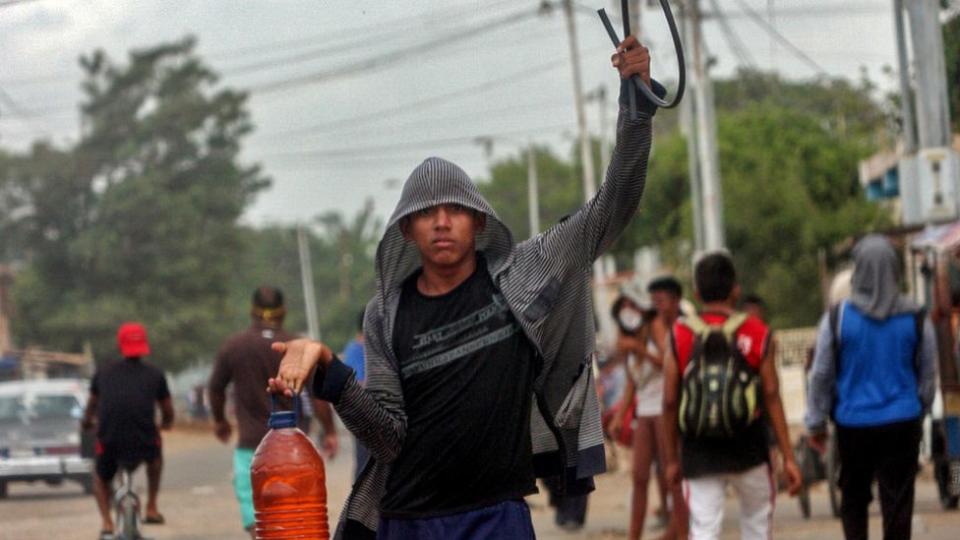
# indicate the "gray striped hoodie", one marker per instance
pixel 546 281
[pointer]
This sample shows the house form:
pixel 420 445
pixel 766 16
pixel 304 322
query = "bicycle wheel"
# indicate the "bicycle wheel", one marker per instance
pixel 128 517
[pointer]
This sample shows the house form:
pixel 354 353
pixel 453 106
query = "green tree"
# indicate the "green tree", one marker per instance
pixel 788 155
pixel 342 254
pixel 139 219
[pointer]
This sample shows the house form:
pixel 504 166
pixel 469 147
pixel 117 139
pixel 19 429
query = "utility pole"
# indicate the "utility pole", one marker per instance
pixel 600 96
pixel 906 93
pixel 714 237
pixel 586 154
pixel 933 111
pixel 533 192
pixel 929 169
pixel 306 276
pixel 688 121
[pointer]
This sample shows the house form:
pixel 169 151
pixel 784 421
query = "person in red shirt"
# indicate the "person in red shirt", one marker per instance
pixel 710 464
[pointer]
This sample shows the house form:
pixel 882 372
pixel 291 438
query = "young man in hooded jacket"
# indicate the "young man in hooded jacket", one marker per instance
pixel 874 372
pixel 478 352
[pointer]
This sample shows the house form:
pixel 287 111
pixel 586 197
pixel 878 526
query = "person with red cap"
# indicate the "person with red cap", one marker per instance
pixel 123 395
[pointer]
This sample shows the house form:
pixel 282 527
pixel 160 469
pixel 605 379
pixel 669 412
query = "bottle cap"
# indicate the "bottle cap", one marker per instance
pixel 283 419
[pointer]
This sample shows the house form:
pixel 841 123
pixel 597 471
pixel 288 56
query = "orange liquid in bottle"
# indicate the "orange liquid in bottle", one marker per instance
pixel 289 484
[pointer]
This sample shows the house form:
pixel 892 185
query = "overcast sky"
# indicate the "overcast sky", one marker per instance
pixel 329 140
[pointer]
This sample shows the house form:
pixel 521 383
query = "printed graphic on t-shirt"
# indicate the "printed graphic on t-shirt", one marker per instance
pixel 478 330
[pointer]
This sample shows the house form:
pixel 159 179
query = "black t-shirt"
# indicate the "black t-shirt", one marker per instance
pixel 467 373
pixel 706 457
pixel 127 391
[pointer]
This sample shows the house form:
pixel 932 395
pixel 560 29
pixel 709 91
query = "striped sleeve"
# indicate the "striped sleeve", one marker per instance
pixel 584 236
pixel 374 412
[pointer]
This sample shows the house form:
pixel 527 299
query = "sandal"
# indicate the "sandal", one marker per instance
pixel 155 520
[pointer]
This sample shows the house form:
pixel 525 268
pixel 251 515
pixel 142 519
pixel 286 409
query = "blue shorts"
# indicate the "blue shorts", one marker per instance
pixel 509 520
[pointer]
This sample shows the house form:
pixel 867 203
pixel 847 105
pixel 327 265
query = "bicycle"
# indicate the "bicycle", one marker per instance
pixel 127 506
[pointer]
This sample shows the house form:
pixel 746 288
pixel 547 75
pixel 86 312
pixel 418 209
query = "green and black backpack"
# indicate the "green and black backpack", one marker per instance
pixel 719 389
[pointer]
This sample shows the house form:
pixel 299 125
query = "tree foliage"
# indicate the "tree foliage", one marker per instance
pixel 788 155
pixel 138 219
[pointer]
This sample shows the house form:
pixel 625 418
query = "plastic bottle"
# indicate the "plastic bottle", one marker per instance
pixel 289 482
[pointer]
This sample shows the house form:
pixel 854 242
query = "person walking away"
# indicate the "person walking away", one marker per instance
pixel 354 359
pixel 718 374
pixel 479 352
pixel 244 360
pixel 124 395
pixel 874 372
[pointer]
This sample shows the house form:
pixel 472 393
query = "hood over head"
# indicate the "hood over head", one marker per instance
pixel 436 181
pixel 875 285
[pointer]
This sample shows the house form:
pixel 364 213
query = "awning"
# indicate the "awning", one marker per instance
pixel 944 237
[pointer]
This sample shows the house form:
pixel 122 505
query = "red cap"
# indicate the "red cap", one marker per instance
pixel 132 340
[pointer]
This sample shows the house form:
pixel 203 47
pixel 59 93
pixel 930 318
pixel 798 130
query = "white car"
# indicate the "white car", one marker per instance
pixel 40 437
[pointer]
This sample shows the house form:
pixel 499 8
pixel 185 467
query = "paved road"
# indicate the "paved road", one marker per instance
pixel 197 499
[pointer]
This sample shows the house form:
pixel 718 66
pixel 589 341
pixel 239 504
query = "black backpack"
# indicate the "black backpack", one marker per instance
pixel 719 389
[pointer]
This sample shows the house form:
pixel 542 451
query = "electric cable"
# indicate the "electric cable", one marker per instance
pixel 385 59
pixel 781 38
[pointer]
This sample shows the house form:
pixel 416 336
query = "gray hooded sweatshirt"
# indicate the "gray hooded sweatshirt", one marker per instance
pixel 546 281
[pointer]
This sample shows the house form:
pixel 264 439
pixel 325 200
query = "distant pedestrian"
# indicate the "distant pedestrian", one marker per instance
pixel 755 306
pixel 354 358
pixel 643 362
pixel 719 374
pixel 124 396
pixel 874 372
pixel 246 360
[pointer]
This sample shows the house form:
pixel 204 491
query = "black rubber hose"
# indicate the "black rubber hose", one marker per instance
pixel 625 15
pixel 677 45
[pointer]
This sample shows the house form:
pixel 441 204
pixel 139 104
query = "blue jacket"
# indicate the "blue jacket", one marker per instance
pixel 877 382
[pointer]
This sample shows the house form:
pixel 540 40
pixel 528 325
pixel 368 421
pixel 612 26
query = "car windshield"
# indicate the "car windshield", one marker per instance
pixel 54 406
pixel 10 407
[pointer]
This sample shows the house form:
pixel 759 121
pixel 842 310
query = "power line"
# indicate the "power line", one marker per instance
pixel 326 51
pixel 486 114
pixel 372 31
pixel 736 44
pixel 405 146
pixel 814 11
pixel 330 39
pixel 12 104
pixel 780 37
pixel 388 58
pixel 521 74
pixel 10 3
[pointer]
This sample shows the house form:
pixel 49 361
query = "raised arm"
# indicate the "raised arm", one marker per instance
pixel 582 237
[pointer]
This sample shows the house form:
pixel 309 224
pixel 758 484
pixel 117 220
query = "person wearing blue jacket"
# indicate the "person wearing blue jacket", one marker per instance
pixel 874 372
